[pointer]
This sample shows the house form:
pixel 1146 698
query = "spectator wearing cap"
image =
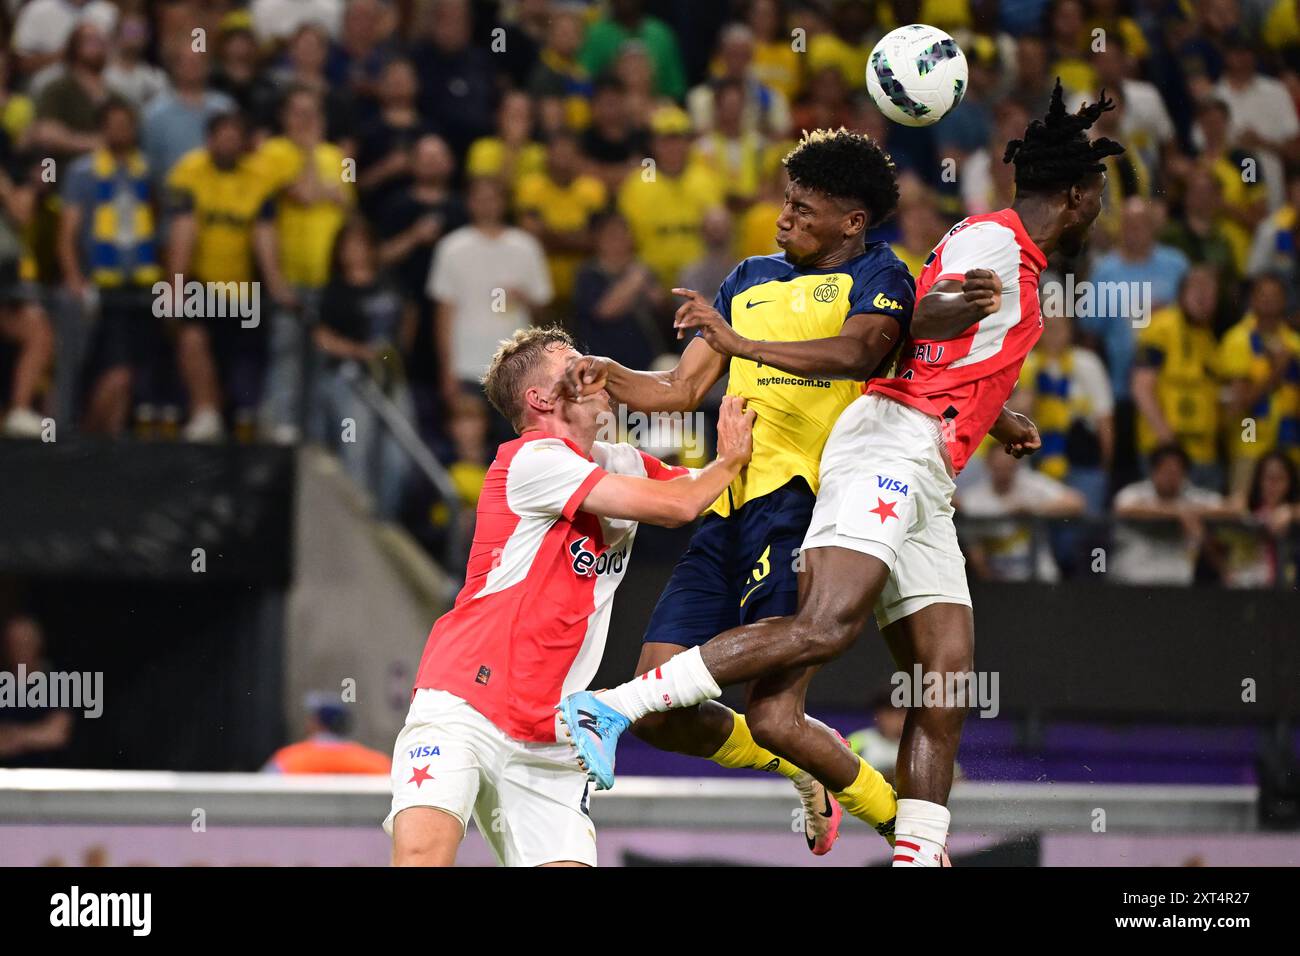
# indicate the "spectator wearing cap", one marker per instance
pixel 1161 528
pixel 762 110
pixel 627 20
pixel 557 204
pixel 665 204
pixel 177 121
pixel 1259 360
pixel 326 747
pixel 1175 387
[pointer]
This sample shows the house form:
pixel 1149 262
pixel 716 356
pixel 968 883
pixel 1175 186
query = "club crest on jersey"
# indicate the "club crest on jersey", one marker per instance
pixel 891 484
pixel 928 352
pixel 826 292
pixel 587 562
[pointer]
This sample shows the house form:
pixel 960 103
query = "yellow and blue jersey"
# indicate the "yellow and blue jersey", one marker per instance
pixel 766 297
pixel 740 566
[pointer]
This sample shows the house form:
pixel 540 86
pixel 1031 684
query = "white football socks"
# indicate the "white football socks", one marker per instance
pixel 920 833
pixel 683 681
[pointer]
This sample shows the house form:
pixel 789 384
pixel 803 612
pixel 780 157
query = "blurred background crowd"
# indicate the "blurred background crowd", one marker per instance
pixel 408 181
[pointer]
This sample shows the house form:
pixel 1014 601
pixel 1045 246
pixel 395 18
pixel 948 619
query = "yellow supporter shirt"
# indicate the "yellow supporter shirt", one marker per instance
pixel 306 232
pixel 1183 356
pixel 779 67
pixel 562 209
pixel 1244 354
pixel 226 204
pixel 666 214
pixel 488 157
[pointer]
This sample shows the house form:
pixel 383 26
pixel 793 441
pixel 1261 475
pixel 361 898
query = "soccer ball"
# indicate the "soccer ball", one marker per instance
pixel 916 74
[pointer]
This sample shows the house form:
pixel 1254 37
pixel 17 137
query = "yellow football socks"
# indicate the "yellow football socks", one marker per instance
pixel 742 752
pixel 870 798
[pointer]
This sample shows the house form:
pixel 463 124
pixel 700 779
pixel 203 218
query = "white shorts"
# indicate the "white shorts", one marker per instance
pixel 886 491
pixel 529 800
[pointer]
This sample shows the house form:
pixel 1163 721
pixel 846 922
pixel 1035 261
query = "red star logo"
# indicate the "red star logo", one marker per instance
pixel 885 510
pixel 420 775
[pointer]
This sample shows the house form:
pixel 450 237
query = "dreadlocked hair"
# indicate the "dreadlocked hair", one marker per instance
pixel 1056 153
pixel 846 165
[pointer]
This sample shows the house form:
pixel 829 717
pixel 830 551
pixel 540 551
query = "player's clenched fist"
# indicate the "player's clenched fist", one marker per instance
pixel 983 289
pixel 583 375
pixel 735 430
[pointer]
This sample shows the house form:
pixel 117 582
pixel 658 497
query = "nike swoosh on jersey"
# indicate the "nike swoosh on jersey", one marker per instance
pixel 750 305
pixel 751 591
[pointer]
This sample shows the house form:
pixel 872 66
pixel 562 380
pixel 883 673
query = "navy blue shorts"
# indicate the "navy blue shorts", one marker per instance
pixel 737 570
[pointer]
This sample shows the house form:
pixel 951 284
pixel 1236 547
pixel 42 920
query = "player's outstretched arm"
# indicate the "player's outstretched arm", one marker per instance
pixel 680 500
pixel 952 306
pixel 680 389
pixel 864 341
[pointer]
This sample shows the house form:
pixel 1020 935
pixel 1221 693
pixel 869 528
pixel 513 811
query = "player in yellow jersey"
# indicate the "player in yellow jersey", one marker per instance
pixel 829 311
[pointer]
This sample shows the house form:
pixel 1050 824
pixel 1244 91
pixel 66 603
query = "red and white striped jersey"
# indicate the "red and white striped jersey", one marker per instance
pixel 529 625
pixel 966 380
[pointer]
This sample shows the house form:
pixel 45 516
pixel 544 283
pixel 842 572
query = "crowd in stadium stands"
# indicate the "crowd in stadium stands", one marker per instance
pixel 408 181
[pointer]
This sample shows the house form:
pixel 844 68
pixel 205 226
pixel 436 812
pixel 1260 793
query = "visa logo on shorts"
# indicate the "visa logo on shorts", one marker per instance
pixel 891 484
pixel 587 562
pixel 425 751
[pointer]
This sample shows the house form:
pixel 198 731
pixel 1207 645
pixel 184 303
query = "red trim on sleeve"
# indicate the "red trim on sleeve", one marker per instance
pixel 961 276
pixel 576 499
pixel 657 470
